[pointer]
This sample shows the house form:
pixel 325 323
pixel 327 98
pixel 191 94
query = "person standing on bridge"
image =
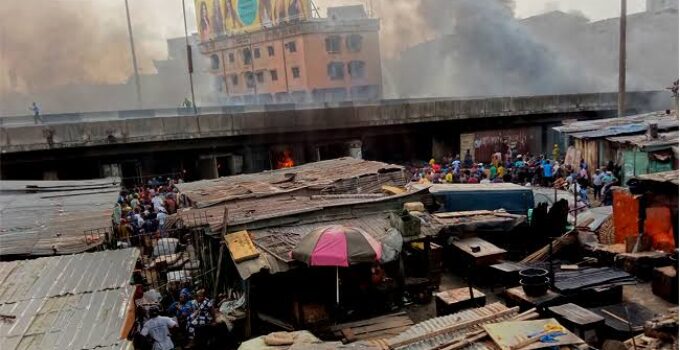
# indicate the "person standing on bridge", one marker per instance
pixel 36 112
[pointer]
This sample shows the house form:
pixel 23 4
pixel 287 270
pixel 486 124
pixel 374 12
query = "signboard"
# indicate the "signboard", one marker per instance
pixel 219 17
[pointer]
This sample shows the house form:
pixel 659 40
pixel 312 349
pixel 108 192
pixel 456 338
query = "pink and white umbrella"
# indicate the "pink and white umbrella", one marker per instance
pixel 337 246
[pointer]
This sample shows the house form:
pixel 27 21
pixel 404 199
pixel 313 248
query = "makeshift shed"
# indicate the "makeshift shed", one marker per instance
pixel 55 217
pixel 80 302
pixel 642 154
pixel 598 141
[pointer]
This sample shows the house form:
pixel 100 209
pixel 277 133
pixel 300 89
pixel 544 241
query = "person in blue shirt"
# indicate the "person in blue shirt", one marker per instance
pixel 547 173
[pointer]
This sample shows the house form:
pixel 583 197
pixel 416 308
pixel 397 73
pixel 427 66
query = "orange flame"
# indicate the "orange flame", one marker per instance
pixel 285 160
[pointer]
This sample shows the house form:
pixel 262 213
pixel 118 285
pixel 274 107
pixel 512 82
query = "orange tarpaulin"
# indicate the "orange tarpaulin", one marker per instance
pixel 658 222
pixel 626 210
pixel 659 226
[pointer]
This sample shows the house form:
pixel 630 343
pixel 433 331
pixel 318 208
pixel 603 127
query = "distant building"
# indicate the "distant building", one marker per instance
pixel 661 5
pixel 302 59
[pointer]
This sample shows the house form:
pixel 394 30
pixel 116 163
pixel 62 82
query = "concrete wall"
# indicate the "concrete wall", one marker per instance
pixel 263 120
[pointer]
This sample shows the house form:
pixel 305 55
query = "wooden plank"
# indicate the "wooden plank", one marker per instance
pixel 486 248
pixel 367 321
pixel 383 326
pixel 240 246
pixel 392 189
pixel 510 335
pixel 348 335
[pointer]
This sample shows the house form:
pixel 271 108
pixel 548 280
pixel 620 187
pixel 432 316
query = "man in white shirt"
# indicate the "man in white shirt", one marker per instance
pixel 158 328
pixel 157 202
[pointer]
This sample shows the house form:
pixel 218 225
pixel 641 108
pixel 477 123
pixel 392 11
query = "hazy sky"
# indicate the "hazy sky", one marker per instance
pixel 593 9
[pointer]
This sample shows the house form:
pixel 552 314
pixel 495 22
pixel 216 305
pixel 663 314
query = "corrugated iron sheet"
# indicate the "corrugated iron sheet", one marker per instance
pixel 666 176
pixel 249 211
pixel 65 275
pixel 67 302
pixel 82 321
pixel 44 217
pixel 659 117
pixel 667 140
pixel 343 175
pixel 437 323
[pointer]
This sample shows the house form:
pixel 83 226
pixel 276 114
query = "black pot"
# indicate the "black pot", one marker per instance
pixel 535 289
pixel 533 275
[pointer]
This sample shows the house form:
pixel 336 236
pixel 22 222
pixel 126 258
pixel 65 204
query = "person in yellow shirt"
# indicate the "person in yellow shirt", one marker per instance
pixel 449 177
pixel 501 170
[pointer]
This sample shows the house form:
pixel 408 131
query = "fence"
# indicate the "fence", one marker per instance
pixel 172 258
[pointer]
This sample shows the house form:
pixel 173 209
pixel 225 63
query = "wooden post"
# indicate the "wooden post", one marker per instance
pixel 622 60
pixel 219 269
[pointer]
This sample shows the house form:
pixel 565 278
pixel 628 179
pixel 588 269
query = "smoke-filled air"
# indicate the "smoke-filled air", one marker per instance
pixel 58 52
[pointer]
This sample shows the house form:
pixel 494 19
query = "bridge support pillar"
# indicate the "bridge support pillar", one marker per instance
pixel 207 168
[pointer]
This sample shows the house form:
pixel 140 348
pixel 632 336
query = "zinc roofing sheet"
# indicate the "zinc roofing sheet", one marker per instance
pixel 65 275
pixel 597 124
pixel 67 302
pixel 319 177
pixel 48 217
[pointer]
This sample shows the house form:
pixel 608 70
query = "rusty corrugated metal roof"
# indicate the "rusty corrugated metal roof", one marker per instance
pixel 343 175
pixel 667 139
pixel 666 176
pixel 659 117
pixel 48 217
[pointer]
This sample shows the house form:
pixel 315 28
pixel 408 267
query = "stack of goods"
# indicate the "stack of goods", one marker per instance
pixel 590 277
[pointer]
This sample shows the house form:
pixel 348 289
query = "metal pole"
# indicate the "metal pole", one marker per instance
pixel 190 65
pixel 134 56
pixel 622 60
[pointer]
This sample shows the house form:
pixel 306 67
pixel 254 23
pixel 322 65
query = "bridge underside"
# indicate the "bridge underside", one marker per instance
pixel 220 156
pixel 225 141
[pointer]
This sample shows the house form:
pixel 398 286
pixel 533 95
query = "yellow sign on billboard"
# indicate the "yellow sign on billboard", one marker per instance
pixel 219 17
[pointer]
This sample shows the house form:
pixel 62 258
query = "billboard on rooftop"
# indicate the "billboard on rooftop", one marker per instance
pixel 216 18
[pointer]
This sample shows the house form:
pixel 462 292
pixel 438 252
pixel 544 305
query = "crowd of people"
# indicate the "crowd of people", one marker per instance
pixel 143 210
pixel 182 315
pixel 527 169
pixel 182 318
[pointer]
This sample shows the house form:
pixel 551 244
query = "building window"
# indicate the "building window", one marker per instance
pixel 250 79
pixel 256 52
pixel 291 46
pixel 274 74
pixel 231 57
pixel 296 72
pixel 270 50
pixel 234 79
pixel 356 69
pixel 333 44
pixel 247 56
pixel 260 77
pixel 354 43
pixel 336 70
pixel 214 62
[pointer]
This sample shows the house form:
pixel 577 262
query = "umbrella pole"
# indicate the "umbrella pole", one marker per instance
pixel 337 286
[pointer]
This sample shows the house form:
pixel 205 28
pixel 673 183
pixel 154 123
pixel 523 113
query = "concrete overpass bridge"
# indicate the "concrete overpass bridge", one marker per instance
pixel 140 143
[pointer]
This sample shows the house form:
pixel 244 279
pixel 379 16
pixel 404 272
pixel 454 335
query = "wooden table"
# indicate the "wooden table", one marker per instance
pixel 488 253
pixel 516 297
pixel 583 322
pixel 454 300
pixel 506 273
